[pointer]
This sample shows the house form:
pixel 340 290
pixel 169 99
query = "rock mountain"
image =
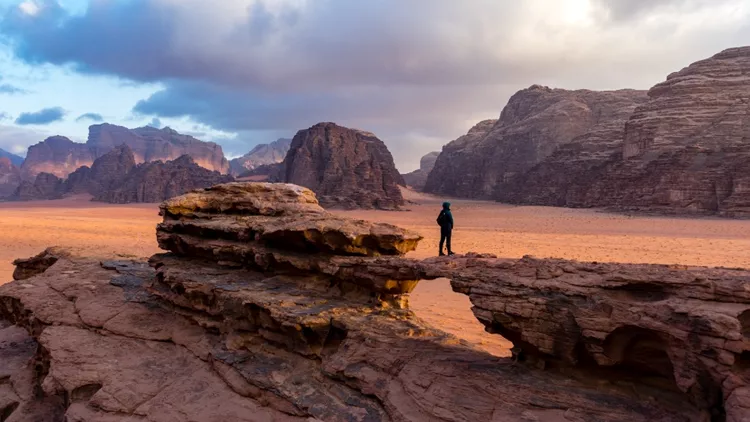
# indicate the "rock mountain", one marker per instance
pixel 10 177
pixel 346 168
pixel 418 178
pixel 116 178
pixel 261 155
pixel 267 308
pixel 60 156
pixel 680 148
pixel 536 122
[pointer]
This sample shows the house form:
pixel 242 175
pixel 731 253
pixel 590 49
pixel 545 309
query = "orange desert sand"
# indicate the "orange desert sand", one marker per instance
pixel 128 231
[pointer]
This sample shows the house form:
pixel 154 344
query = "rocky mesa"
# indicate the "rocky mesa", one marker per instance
pixel 268 308
pixel 60 156
pixel 346 168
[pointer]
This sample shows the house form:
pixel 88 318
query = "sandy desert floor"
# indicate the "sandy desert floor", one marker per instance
pixel 127 231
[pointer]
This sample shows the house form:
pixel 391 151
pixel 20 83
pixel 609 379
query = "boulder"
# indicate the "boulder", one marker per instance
pixel 346 168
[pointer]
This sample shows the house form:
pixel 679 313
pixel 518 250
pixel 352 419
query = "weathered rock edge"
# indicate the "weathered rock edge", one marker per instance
pixel 670 325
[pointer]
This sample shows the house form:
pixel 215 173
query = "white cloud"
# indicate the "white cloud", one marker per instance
pixel 29 7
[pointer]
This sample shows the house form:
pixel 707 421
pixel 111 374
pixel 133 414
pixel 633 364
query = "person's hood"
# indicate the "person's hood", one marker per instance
pixel 446 205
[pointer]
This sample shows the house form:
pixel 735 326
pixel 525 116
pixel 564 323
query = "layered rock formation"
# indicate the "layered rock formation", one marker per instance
pixel 261 155
pixel 681 150
pixel 686 150
pixel 267 308
pixel 687 328
pixel 55 155
pixel 10 177
pixel 115 178
pixel 418 178
pixel 346 168
pixel 157 181
pixel 61 156
pixel 494 156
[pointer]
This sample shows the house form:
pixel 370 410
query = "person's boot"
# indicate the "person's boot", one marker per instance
pixel 451 253
pixel 441 253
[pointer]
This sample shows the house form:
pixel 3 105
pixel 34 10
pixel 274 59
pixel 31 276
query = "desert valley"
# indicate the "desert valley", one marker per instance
pixel 601 268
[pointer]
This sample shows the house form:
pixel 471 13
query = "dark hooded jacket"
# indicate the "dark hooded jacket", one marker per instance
pixel 445 218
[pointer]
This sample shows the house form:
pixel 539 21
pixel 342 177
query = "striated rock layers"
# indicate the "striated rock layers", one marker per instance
pixel 61 156
pixel 267 308
pixel 10 177
pixel 683 149
pixel 686 151
pixel 680 327
pixel 261 155
pixel 346 168
pixel 418 178
pixel 114 177
pixel 537 121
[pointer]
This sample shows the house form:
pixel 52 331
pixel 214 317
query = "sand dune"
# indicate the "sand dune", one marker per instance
pixel 128 231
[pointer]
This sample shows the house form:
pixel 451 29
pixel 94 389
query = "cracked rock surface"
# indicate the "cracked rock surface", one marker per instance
pixel 191 336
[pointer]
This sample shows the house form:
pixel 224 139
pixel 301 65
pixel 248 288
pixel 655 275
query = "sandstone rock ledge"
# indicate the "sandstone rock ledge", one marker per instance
pixel 260 332
pixel 669 326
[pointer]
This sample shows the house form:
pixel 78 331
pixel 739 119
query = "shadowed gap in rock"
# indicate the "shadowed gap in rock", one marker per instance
pixel 7 411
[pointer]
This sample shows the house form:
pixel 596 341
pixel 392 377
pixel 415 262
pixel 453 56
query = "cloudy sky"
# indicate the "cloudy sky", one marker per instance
pixel 418 73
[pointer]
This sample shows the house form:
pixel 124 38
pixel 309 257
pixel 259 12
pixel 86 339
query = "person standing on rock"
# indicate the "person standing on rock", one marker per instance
pixel 445 221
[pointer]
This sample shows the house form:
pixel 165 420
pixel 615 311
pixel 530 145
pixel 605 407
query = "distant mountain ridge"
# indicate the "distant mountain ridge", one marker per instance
pixel 60 156
pixel 16 160
pixel 261 155
pixel 116 178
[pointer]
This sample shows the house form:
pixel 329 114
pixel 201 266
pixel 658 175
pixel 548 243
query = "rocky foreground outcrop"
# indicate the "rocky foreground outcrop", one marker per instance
pixel 346 168
pixel 267 308
pixel 417 179
pixel 60 156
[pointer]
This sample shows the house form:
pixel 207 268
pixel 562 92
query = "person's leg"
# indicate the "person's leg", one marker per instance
pixel 442 241
pixel 448 241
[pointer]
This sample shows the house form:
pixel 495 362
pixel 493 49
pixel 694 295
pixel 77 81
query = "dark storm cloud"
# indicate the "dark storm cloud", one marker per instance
pixel 41 117
pixel 418 73
pixel 94 117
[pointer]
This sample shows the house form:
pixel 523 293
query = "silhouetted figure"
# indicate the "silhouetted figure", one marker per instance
pixel 445 221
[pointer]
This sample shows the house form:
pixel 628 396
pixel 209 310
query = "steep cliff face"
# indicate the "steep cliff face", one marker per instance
pixel 107 172
pixel 537 121
pixel 345 167
pixel 61 156
pixel 686 150
pixel 10 177
pixel 418 178
pixel 56 155
pixel 158 181
pixel 263 154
